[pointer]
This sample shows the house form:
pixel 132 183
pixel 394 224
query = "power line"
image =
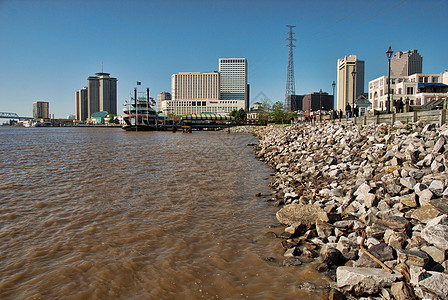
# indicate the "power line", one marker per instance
pixel 360 24
pixel 343 18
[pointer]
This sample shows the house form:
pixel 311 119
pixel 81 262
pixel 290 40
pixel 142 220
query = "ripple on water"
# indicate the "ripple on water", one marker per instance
pixel 98 213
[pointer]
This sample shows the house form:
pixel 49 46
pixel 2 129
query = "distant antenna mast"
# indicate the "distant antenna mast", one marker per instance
pixel 290 82
pixel 101 67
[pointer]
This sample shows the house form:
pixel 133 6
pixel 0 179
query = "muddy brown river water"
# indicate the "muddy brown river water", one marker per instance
pixel 99 213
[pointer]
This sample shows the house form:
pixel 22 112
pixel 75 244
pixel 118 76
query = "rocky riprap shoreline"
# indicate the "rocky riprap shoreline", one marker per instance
pixel 369 202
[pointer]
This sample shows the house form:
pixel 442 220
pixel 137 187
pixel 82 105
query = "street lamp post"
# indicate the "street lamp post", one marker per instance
pixel 320 99
pixel 334 85
pixel 354 86
pixel 389 53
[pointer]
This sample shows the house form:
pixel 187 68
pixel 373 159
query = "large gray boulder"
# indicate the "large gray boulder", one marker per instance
pixel 381 251
pixel 436 232
pixel 361 281
pixel 436 282
pixel 301 213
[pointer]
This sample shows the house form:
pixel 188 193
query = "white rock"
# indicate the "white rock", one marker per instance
pixel 361 281
pixel 436 232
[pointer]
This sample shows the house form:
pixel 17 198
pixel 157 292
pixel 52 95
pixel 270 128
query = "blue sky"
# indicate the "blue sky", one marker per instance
pixel 49 48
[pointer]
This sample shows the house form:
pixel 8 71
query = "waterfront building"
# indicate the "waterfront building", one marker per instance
pixel 107 93
pixel 192 92
pixel 295 102
pixel 101 96
pixel 233 80
pixel 98 117
pixel 350 80
pixel 417 89
pixel 195 86
pixel 363 104
pixel 164 96
pixel 81 104
pixel 183 107
pixel 317 101
pixel 406 63
pixel 252 114
pixel 41 110
pixel 215 92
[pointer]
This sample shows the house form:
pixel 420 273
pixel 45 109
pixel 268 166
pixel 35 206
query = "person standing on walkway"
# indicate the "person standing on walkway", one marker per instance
pixel 355 111
pixel 400 105
pixel 348 110
pixel 406 105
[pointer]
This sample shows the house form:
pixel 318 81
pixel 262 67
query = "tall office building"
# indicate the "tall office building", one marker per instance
pixel 233 80
pixel 195 86
pixel 81 104
pixel 108 93
pixel 215 92
pixel 406 63
pixel 41 110
pixel 101 94
pixel 93 95
pixel 350 80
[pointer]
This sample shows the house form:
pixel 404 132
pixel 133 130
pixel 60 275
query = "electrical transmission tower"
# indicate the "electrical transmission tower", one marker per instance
pixel 290 82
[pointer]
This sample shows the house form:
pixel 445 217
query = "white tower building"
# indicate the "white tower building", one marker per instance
pixel 350 81
pixel 233 80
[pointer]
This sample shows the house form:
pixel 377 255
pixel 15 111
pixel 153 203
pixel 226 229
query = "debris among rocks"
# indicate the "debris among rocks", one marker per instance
pixel 336 182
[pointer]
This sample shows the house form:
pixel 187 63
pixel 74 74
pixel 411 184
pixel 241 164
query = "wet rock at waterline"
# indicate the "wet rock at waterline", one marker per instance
pixel 346 188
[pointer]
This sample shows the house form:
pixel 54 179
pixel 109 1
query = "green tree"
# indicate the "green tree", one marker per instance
pixel 175 118
pixel 265 109
pixel 239 115
pixel 292 115
pixel 278 113
pixel 110 118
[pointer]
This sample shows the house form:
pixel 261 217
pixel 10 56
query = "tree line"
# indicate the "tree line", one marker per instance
pixel 276 113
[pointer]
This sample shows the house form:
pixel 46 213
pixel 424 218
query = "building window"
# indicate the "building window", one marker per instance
pixel 410 90
pixel 399 91
pixel 435 79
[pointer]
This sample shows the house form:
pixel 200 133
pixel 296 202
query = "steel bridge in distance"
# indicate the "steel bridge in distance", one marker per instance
pixel 8 115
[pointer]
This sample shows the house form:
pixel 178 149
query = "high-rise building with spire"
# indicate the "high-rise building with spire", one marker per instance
pixel 101 96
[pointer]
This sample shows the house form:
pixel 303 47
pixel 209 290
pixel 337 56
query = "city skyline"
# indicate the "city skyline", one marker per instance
pixel 49 46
